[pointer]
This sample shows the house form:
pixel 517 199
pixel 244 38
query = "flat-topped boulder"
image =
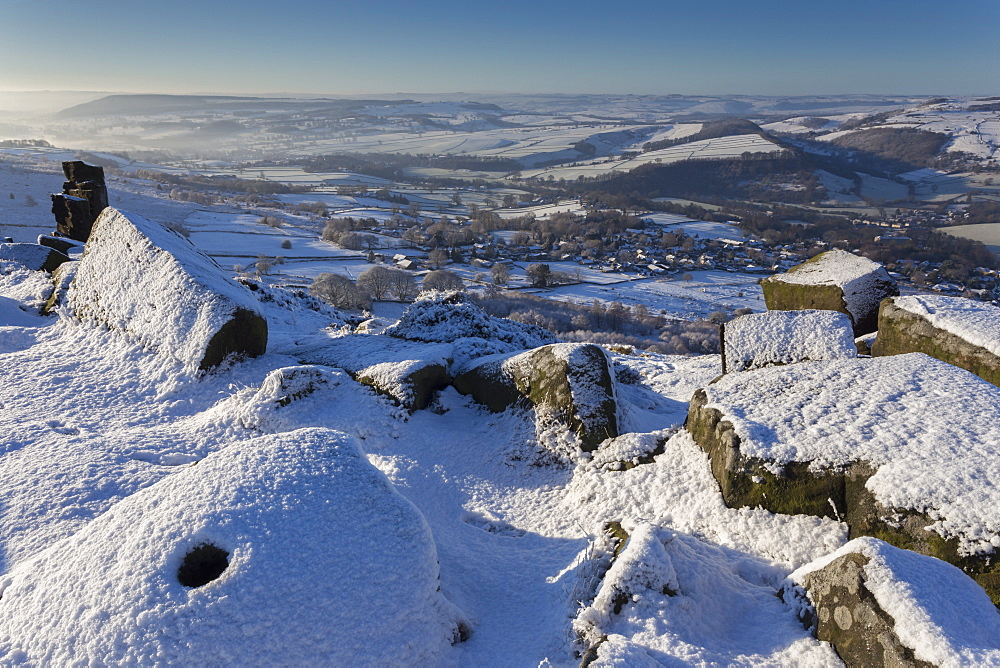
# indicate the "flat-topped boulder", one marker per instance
pixel 833 281
pixel 287 549
pixel 409 372
pixel 956 330
pixel 569 382
pixel 148 281
pixel 905 448
pixel 62 244
pixel 35 257
pixel 784 337
pixel 882 606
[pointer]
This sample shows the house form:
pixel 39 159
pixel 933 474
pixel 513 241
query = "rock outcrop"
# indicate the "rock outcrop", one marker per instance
pixel 141 278
pixel 833 281
pixel 955 330
pixel 33 256
pixel 784 337
pixel 83 198
pixel 569 382
pixel 876 443
pixel 881 606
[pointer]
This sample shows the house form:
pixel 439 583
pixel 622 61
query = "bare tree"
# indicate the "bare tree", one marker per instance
pixel 500 273
pixel 402 285
pixel 340 291
pixel 539 274
pixel 263 265
pixel 438 257
pixel 443 280
pixel 376 280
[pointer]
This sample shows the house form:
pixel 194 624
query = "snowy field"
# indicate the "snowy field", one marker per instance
pixel 706 292
pixel 706 149
pixel 988 233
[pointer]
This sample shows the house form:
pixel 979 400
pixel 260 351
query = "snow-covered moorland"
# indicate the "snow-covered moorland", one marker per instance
pixel 276 510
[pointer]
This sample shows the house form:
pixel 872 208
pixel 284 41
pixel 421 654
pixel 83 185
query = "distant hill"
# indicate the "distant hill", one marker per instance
pixel 727 127
pixel 135 105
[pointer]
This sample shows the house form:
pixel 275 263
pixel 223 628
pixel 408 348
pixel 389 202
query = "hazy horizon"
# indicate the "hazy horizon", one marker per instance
pixel 442 46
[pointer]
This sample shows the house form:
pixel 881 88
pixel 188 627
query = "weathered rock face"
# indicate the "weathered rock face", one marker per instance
pixel 82 200
pixel 62 277
pixel 572 383
pixel 33 256
pixel 882 606
pixel 849 617
pixel 143 279
pixel 785 337
pixel 868 442
pixel 833 281
pixel 959 331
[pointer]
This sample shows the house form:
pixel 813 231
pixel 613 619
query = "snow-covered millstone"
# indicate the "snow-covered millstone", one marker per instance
pixel 905 448
pixel 882 606
pixel 833 281
pixel 784 337
pixel 288 549
pixel 571 383
pixel 956 330
pixel 143 279
pixel 33 256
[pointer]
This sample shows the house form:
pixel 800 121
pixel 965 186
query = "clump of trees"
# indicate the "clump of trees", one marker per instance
pixel 381 282
pixel 442 280
pixel 340 291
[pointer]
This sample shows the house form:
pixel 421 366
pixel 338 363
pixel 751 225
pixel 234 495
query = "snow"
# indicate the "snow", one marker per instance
pixel 939 612
pixel 855 275
pixel 139 277
pixel 32 256
pixel 678 594
pixel 783 337
pixel 976 322
pixel 290 595
pixel 926 427
pixel 444 317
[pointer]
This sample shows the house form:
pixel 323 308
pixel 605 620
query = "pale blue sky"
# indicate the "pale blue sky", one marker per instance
pixel 555 46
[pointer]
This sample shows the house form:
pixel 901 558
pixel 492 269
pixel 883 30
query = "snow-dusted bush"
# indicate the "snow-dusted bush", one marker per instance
pixel 447 317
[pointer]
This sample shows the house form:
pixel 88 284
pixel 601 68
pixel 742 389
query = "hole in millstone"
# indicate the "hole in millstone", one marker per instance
pixel 202 564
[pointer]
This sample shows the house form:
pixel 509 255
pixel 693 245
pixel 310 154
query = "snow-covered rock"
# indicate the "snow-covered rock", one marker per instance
pixel 882 606
pixel 569 382
pixel 288 549
pixel 62 277
pixel 834 281
pixel 784 337
pixel 903 447
pixel 141 278
pixel 956 330
pixel 408 371
pixel 33 256
pixel 670 595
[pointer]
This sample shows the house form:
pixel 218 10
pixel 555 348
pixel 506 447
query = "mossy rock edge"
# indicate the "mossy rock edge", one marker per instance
pixel 901 332
pixel 840 494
